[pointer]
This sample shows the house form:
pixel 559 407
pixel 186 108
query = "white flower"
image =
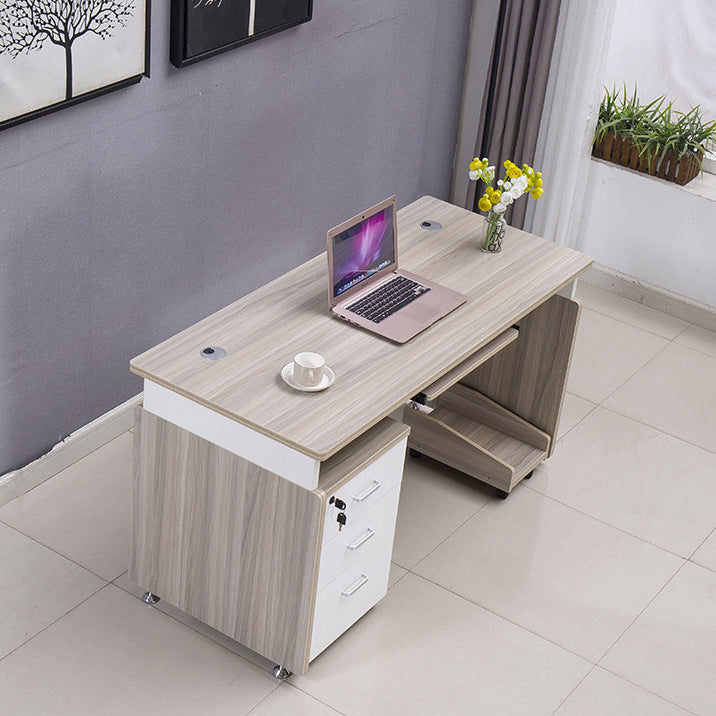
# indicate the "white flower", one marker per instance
pixel 500 182
pixel 521 182
pixel 506 198
pixel 507 185
pixel 516 192
pixel 499 208
pixel 473 174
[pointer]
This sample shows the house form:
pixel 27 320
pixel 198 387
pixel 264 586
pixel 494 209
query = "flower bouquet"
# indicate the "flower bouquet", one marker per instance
pixel 495 201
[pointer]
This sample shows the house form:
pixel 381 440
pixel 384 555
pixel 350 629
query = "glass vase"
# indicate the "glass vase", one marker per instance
pixel 494 233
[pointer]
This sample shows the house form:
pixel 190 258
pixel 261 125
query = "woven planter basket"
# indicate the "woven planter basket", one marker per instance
pixel 619 150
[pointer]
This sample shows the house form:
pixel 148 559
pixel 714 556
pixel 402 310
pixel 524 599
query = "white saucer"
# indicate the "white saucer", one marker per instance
pixel 326 381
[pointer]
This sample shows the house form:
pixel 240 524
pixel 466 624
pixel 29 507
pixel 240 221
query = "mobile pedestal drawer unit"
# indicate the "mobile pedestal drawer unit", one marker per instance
pixel 279 567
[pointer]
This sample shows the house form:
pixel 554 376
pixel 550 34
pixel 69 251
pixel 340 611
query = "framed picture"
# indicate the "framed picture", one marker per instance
pixel 202 28
pixel 56 53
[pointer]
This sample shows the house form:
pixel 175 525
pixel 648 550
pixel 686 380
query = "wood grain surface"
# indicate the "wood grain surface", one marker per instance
pixel 225 540
pixel 434 435
pixel 264 330
pixel 436 389
pixel 530 375
pixel 367 448
pixel 480 408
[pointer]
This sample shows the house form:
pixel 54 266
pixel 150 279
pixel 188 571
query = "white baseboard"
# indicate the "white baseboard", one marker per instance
pixel 73 448
pixel 652 296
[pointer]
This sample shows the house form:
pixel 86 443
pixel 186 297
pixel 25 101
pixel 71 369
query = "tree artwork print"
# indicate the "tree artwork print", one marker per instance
pixel 54 51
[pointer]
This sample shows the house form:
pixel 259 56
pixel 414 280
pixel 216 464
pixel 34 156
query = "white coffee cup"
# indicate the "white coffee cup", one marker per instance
pixel 308 368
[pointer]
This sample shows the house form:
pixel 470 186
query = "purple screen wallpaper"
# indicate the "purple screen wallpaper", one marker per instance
pixel 362 250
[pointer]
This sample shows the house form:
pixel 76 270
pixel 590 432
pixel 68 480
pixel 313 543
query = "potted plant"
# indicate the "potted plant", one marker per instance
pixel 653 138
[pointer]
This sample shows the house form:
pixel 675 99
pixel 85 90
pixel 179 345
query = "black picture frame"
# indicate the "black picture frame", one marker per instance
pixel 220 27
pixel 98 92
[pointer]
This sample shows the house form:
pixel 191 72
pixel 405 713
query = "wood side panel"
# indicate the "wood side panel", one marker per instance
pixel 225 540
pixel 262 331
pixel 530 375
pixel 473 404
pixel 437 388
pixel 441 441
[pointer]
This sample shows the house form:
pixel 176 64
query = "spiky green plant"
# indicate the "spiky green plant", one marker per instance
pixel 655 128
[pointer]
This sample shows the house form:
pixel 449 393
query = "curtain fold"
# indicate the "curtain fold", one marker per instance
pixel 569 117
pixel 516 87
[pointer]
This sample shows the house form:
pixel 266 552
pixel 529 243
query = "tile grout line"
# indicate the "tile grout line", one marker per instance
pixel 66 467
pixel 649 603
pixel 584 417
pixel 694 350
pixel 221 646
pixel 649 691
pixel 505 618
pixel 406 570
pixel 701 544
pixel 188 626
pixel 54 621
pixel 298 688
pixel 581 681
pixel 654 427
pixel 633 325
pixel 59 554
pixel 626 380
pixel 661 350
pixel 260 701
pixel 605 523
pixel 422 559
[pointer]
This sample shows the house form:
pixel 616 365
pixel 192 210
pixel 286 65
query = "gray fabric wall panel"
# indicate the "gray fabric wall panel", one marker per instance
pixel 129 217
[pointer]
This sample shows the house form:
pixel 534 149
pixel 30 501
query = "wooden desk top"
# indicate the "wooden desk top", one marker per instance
pixel 262 332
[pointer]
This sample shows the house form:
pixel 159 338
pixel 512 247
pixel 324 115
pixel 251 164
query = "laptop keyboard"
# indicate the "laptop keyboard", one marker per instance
pixel 387 299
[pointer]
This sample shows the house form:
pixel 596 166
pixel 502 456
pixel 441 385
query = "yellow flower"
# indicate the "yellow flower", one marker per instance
pixel 484 204
pixel 495 196
pixel 537 192
pixel 475 164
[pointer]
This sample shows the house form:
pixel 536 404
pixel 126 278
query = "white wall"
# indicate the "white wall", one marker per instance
pixel 665 47
pixel 651 229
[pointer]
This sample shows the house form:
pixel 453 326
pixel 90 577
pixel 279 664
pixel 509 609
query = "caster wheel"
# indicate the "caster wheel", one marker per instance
pixel 281 673
pixel 528 475
pixel 414 453
pixel 501 494
pixel 149 598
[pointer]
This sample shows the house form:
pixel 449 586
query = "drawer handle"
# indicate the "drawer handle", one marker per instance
pixel 362 540
pixel 367 492
pixel 355 587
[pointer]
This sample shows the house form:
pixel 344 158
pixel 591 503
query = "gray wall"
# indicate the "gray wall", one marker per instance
pixel 129 217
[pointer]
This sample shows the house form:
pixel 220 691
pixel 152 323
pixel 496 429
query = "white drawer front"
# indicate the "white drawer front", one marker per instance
pixel 348 597
pixel 358 537
pixel 366 489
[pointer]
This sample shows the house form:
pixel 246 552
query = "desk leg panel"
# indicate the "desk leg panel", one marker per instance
pixel 529 376
pixel 224 540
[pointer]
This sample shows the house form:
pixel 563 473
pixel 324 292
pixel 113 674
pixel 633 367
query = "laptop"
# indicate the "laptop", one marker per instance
pixel 366 287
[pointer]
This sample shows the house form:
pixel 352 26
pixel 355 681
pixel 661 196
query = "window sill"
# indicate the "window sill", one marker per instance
pixel 704 185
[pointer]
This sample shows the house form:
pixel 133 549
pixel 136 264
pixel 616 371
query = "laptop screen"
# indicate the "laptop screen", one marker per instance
pixel 363 250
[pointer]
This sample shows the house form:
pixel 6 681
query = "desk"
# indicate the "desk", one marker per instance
pixel 233 519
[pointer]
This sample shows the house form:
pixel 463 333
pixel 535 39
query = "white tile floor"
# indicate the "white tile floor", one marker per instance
pixel 591 590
